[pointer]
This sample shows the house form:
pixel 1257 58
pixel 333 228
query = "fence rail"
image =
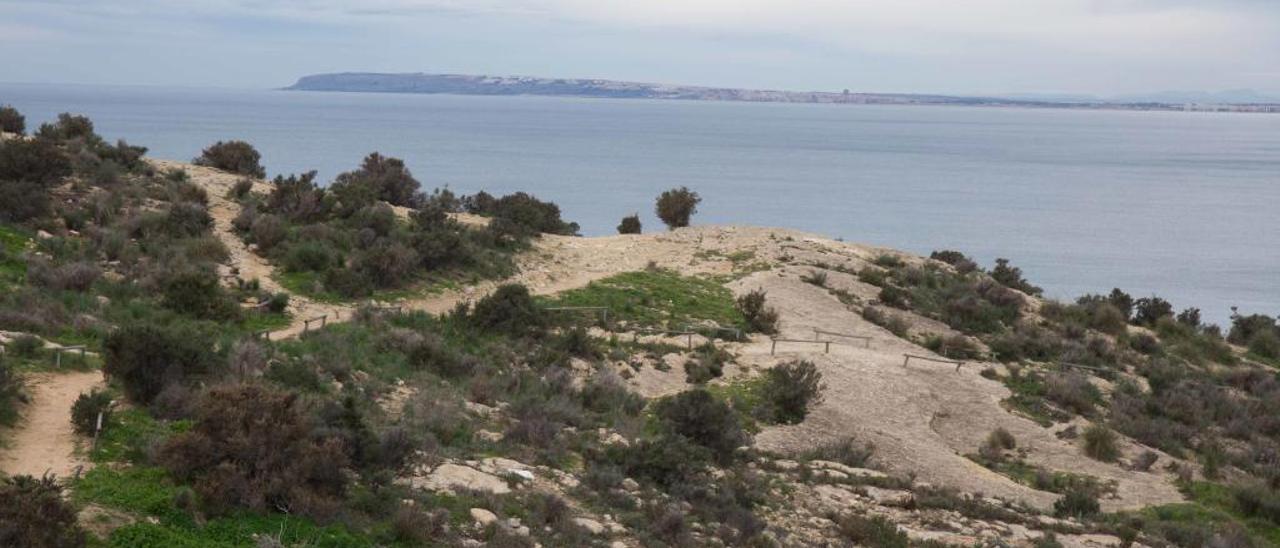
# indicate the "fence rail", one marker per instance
pixel 866 341
pixel 323 319
pixel 906 358
pixel 604 310
pixel 773 347
pixel 57 353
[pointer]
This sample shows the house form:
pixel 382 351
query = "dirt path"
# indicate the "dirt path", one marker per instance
pixel 44 441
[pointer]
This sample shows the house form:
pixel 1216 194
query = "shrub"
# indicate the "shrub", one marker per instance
pixel 33 514
pixel 816 277
pixel 78 276
pixel 38 161
pixel 706 364
pixel 256 447
pixel 268 231
pixel 1100 443
pixel 379 178
pixel 961 262
pixel 846 451
pixel 197 293
pixel 146 358
pixel 11 394
pixel 84 412
pixel 68 127
pixel 241 189
pixel 630 224
pixel 278 303
pixel 1149 310
pixel 1077 503
pixel 894 323
pixel 676 206
pixel 1265 344
pixel 12 121
pixel 871 531
pixel 521 215
pixel 790 389
pixel 759 317
pixel 1011 276
pixel 667 461
pixel 1072 391
pixel 1002 439
pixel 22 201
pixel 704 420
pixel 1144 461
pixel 1244 328
pixel 234 156
pixel 511 310
pixel 26 346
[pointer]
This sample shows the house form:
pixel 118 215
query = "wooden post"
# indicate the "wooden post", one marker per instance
pixel 773 348
pixel 690 343
pixel 97 430
pixel 827 350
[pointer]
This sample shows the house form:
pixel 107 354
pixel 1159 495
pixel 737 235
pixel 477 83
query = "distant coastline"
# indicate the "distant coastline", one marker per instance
pixel 462 84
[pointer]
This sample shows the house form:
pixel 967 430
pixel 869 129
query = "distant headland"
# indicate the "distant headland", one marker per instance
pixel 462 84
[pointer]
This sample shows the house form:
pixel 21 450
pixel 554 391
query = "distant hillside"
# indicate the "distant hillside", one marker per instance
pixel 460 84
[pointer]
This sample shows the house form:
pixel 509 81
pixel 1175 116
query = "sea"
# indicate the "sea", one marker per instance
pixel 1184 205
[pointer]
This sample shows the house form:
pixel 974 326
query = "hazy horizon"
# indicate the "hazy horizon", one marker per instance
pixel 987 47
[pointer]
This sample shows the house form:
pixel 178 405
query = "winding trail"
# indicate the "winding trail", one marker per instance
pixel 44 441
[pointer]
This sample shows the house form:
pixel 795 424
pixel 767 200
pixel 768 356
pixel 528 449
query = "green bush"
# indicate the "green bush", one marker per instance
pixel 629 225
pixel 197 293
pixel 147 357
pixel 1149 310
pixel 875 531
pixel 1077 503
pixel 704 420
pixel 961 262
pixel 22 201
pixel 84 412
pixel 1265 344
pixel 1011 276
pixel 68 127
pixel 12 394
pixel 511 310
pixel 521 214
pixel 676 206
pixel 38 161
pixel 12 121
pixel 1100 443
pixel 759 317
pixel 790 388
pixel 234 156
pixel 706 364
pixel 379 178
pixel 33 514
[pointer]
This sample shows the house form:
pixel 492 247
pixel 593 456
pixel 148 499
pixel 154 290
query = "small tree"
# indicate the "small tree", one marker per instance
pixel 699 417
pixel 630 224
pixel 146 358
pixel 234 156
pixel 676 206
pixel 509 309
pixel 84 412
pixel 791 388
pixel 12 121
pixel 759 317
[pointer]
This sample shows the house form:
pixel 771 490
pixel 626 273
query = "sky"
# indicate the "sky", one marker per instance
pixel 1100 47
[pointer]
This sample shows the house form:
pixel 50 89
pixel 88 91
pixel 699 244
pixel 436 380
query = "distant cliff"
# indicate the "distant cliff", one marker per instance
pixel 461 84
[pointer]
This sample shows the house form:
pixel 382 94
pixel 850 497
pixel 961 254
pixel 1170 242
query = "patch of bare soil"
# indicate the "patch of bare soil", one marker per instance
pixel 44 441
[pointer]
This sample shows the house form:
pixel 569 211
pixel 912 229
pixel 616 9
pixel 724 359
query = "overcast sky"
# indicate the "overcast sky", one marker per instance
pixel 943 46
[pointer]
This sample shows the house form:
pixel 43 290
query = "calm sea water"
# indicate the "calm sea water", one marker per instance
pixel 1186 205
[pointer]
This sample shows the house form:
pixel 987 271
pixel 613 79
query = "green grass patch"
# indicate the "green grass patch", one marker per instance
pixel 13 241
pixel 266 321
pixel 1039 478
pixel 657 298
pixel 744 396
pixel 149 492
pixel 128 433
pixel 1028 399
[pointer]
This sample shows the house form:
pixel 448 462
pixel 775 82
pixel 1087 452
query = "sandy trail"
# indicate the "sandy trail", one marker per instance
pixel 922 418
pixel 44 441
